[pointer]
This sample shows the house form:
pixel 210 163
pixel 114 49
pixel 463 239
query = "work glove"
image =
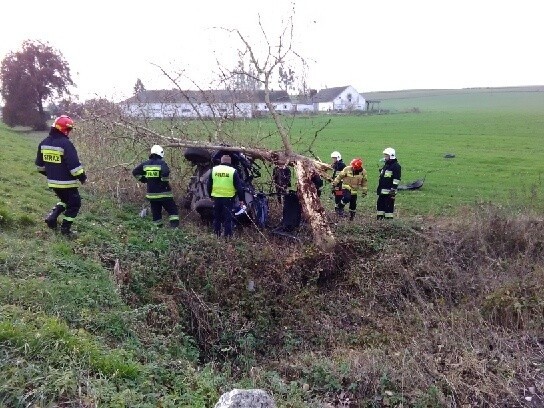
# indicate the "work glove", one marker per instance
pixel 83 178
pixel 242 209
pixel 393 194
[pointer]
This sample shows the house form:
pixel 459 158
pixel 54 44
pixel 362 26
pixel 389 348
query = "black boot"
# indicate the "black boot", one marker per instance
pixel 65 229
pixel 174 223
pixel 351 215
pixel 51 219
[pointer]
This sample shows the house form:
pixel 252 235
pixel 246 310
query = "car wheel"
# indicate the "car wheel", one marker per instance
pixel 197 155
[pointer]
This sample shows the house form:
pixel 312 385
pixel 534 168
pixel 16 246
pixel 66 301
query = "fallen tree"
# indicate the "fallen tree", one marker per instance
pixel 304 169
pixel 261 71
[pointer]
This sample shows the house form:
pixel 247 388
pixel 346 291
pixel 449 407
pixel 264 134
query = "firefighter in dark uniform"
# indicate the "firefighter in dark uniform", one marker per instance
pixel 57 159
pixel 353 179
pixel 337 166
pixel 156 173
pixel 387 185
pixel 224 184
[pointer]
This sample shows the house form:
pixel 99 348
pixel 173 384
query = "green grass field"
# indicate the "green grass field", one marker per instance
pixel 516 99
pixel 499 155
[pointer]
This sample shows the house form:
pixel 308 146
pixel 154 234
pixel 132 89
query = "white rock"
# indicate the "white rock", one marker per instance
pixel 250 398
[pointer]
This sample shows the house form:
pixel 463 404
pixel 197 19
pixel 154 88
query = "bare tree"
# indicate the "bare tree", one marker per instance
pixel 276 65
pixel 252 71
pixel 241 78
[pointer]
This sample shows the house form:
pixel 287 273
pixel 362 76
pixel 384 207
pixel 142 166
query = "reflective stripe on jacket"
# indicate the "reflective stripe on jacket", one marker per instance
pixel 389 177
pixel 57 158
pixel 155 173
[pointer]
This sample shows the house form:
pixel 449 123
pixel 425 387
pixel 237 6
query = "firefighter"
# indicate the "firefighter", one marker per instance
pixel 224 184
pixel 57 159
pixel 352 179
pixel 337 163
pixel 387 185
pixel 337 166
pixel 156 173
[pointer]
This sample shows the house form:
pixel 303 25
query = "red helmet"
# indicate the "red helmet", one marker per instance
pixel 64 124
pixel 356 164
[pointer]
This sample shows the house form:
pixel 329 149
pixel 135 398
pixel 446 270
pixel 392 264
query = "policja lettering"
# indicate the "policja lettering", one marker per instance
pixel 218 174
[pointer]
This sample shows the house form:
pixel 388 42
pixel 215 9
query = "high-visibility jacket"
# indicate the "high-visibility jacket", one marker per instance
pixel 389 178
pixel 224 182
pixel 354 181
pixel 156 174
pixel 58 160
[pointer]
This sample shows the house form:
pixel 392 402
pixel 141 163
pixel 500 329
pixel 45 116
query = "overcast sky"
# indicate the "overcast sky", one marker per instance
pixel 374 45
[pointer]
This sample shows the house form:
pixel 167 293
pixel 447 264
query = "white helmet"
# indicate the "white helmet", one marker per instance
pixel 337 155
pixel 391 152
pixel 157 150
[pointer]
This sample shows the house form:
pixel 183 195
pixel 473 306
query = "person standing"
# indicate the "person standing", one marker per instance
pixel 156 174
pixel 58 160
pixel 337 166
pixel 337 163
pixel 224 184
pixel 387 185
pixel 352 180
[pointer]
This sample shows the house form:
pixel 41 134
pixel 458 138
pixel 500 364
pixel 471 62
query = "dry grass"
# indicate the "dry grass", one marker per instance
pixel 439 312
pixel 442 313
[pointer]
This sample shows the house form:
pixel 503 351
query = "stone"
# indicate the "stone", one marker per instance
pixel 245 398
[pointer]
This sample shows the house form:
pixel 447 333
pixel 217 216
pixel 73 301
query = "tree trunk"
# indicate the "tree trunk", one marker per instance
pixel 312 208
